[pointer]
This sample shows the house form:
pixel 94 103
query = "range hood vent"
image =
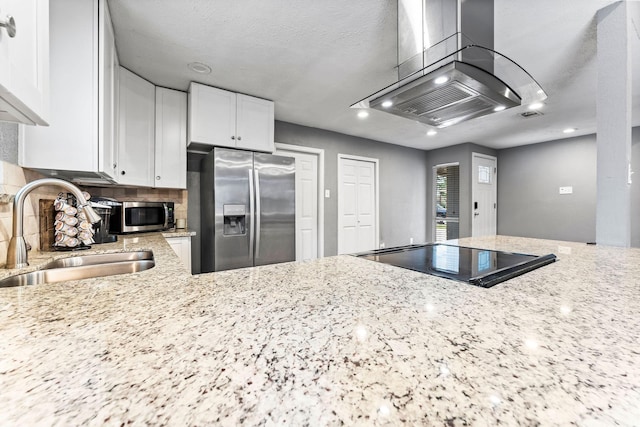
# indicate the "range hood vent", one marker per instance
pixel 468 92
pixel 454 79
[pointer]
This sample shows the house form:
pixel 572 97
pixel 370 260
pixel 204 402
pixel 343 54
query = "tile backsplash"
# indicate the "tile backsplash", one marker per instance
pixel 13 177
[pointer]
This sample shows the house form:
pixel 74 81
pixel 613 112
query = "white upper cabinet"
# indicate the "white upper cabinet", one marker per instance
pixel 212 116
pixel 24 61
pixel 108 90
pixel 221 118
pixel 152 134
pixel 136 130
pixel 80 141
pixel 254 124
pixel 171 139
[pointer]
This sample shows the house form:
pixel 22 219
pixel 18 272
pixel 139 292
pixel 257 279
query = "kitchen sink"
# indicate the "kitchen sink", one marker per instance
pixel 76 261
pixel 84 267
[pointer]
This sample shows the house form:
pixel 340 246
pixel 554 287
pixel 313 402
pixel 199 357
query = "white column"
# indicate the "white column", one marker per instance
pixel 613 211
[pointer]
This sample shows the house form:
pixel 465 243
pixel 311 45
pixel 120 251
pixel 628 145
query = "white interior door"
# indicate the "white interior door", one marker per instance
pixel 484 195
pixel 357 205
pixel 307 212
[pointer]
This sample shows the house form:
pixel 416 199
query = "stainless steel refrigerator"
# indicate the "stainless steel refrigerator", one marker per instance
pixel 247 209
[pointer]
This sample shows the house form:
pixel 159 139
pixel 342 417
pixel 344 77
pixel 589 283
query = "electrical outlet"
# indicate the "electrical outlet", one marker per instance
pixel 411 240
pixel 566 190
pixel 381 245
pixel 327 194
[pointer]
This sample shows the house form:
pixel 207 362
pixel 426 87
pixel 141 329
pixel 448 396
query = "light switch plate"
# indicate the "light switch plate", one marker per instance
pixel 566 190
pixel 327 194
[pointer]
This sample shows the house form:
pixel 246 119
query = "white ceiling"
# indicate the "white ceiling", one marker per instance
pixel 316 58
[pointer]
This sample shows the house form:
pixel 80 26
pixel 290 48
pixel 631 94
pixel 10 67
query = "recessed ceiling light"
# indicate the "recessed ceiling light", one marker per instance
pixel 432 132
pixel 440 80
pixel 387 104
pixel 363 114
pixel 199 67
pixel 499 108
pixel 569 130
pixel 536 106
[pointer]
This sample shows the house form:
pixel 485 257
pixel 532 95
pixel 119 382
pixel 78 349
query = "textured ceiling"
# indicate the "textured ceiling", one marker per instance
pixel 315 59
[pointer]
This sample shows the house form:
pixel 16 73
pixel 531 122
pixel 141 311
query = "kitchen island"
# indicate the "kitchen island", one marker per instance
pixel 338 340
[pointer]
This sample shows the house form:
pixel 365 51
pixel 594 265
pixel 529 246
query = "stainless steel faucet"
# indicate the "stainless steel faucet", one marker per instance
pixel 17 250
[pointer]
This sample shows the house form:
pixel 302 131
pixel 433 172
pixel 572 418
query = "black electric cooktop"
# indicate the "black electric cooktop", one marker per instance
pixel 480 267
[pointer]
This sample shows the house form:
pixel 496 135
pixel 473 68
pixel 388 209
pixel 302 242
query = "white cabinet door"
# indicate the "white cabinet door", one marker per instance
pixel 226 119
pixel 24 62
pixel 182 247
pixel 108 65
pixel 136 130
pixel 171 139
pixel 254 124
pixel 212 116
pixel 81 140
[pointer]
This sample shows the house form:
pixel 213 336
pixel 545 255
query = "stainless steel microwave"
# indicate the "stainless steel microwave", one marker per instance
pixel 132 217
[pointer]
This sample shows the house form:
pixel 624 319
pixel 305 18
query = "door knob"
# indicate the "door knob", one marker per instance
pixel 10 25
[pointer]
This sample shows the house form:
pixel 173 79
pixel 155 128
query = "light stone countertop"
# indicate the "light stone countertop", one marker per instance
pixel 325 342
pixel 178 232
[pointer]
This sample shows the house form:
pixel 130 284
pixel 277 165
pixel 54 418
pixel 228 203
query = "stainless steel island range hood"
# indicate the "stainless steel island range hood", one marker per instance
pixel 448 71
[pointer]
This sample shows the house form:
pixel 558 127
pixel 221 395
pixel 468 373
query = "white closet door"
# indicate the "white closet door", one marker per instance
pixel 307 203
pixel 357 220
pixel 306 206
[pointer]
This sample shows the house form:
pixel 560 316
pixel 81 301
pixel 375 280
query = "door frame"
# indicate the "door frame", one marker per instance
pixel 434 189
pixel 473 185
pixel 319 152
pixel 376 167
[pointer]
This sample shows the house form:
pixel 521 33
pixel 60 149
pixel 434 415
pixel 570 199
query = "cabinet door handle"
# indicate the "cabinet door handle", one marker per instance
pixel 158 177
pixel 122 173
pixel 239 138
pixel 10 25
pixel 233 137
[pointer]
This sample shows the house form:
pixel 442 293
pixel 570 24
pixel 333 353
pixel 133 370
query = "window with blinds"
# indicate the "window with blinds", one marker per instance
pixel 447 202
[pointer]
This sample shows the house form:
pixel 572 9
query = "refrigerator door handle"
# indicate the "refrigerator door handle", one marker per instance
pixel 251 214
pixel 257 214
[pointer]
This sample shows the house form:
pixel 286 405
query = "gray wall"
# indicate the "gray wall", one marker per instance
pixel 529 177
pixel 9 142
pixel 461 154
pixel 403 177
